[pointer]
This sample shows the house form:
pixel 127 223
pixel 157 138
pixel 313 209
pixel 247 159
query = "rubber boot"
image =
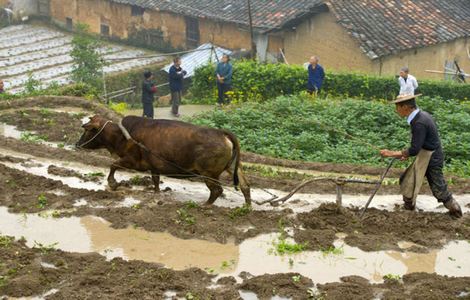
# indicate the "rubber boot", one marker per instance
pixel 454 208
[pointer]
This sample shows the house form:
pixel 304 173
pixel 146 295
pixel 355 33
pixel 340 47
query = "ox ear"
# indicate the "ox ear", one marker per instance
pixel 93 123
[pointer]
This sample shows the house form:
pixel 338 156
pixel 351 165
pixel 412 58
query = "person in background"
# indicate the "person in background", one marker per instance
pixel 316 75
pixel 224 79
pixel 175 77
pixel 2 87
pixel 408 83
pixel 148 92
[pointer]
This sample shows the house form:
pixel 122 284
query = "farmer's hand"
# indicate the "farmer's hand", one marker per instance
pixel 395 154
pixel 385 153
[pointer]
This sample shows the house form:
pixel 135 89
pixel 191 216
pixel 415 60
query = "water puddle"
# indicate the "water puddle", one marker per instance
pixel 40 169
pixel 93 234
pixel 322 268
pixel 10 131
pixel 247 295
pixel 42 297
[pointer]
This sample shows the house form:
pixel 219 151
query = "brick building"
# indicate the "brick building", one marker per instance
pixel 370 36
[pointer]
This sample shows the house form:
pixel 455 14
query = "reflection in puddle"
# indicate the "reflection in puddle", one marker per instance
pixel 92 234
pixel 322 268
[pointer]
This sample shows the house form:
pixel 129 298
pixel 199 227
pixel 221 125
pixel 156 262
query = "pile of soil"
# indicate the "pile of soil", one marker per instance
pixel 380 229
pixel 19 191
pixel 64 172
pixel 53 126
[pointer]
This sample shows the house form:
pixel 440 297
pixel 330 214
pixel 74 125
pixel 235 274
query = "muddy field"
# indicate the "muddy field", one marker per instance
pixel 66 235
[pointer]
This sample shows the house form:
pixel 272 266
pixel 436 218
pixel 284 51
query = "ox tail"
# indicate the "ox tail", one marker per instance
pixel 235 163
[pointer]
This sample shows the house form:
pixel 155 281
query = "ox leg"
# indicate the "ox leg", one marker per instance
pixel 244 186
pixel 156 181
pixel 119 164
pixel 216 190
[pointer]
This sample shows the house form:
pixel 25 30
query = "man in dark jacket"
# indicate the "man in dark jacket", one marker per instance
pixel 316 75
pixel 175 77
pixel 425 138
pixel 223 73
pixel 148 91
pixel 2 90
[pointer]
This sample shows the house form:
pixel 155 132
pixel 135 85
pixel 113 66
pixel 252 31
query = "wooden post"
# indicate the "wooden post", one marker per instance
pixel 253 45
pixel 339 194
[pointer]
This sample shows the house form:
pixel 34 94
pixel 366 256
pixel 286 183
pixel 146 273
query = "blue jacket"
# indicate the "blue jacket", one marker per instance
pixel 315 77
pixel 175 77
pixel 225 71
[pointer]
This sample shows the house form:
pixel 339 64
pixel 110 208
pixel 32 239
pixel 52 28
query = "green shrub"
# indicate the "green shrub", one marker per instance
pixel 339 130
pixel 256 82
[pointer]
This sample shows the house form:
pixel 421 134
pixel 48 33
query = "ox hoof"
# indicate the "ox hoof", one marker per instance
pixel 167 189
pixel 207 203
pixel 113 185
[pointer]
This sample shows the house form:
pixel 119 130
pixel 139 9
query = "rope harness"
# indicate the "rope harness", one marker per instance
pixel 95 136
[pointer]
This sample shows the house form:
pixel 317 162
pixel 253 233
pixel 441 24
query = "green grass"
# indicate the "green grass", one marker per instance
pixel 95 174
pixel 42 201
pixel 281 246
pixel 184 217
pixel 332 251
pixel 32 138
pixel 240 211
pixel 45 248
pixel 392 277
pixel 5 241
pixel 340 130
pixel 191 204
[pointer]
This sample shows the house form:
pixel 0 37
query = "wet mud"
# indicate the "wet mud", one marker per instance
pixel 25 271
pixel 380 229
pixel 46 124
pixel 29 272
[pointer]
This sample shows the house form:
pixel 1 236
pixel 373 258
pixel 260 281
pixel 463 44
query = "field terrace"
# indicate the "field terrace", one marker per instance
pixel 44 52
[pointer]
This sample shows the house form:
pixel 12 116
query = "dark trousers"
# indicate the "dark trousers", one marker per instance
pixel 438 184
pixel 148 109
pixel 223 88
pixel 312 89
pixel 175 102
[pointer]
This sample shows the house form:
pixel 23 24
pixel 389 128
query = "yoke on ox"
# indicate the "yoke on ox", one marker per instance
pixel 171 148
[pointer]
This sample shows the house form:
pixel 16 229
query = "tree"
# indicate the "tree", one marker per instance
pixel 88 63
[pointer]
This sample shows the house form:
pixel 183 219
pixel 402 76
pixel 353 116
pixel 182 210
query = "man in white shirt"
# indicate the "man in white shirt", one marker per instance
pixel 408 83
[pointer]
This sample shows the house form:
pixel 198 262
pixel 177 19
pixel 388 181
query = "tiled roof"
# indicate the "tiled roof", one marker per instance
pixel 385 27
pixel 267 14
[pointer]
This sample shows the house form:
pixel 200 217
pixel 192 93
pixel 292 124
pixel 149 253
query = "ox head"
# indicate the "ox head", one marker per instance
pixel 90 138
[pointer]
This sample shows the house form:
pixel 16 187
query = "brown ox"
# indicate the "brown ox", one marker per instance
pixel 171 148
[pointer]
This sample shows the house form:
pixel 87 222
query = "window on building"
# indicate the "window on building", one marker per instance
pixel 69 23
pixel 192 32
pixel 44 7
pixel 137 10
pixel 104 30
